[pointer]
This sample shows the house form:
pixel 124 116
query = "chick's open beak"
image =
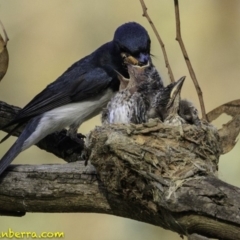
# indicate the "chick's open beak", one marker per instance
pixel 175 93
pixel 177 88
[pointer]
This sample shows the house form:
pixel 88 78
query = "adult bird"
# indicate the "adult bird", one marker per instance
pixel 81 91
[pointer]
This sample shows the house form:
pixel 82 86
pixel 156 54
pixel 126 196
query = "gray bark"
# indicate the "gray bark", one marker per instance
pixel 154 173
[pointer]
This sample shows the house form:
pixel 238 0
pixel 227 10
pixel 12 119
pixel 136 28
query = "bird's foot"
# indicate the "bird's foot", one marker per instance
pixel 74 135
pixel 70 145
pixel 78 139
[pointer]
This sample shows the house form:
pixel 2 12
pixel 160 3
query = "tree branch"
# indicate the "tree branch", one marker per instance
pixel 187 60
pixel 68 188
pixel 153 172
pixel 51 188
pixel 145 14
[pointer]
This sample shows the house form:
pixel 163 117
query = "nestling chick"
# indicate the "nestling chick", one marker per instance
pixel 168 105
pixel 132 103
pixel 189 112
pixel 166 102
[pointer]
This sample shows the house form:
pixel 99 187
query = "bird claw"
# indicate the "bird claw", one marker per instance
pixel 74 135
pixel 69 145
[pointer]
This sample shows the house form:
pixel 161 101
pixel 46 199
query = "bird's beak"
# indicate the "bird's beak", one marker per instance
pixel 143 59
pixel 123 81
pixel 136 72
pixel 128 59
pixel 137 68
pixel 175 93
pixel 177 87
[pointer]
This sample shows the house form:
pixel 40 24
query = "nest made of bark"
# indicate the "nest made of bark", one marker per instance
pixel 147 161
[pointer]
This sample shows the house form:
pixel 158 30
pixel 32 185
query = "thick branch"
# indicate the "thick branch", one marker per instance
pixel 51 188
pixel 68 188
pixel 154 173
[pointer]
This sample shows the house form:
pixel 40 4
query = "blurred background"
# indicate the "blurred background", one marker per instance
pixel 46 37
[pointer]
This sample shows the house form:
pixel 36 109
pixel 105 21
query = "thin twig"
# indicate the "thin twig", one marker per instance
pixel 187 60
pixel 145 14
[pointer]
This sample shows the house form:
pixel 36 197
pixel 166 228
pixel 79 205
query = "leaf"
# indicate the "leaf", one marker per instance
pixel 229 131
pixel 3 53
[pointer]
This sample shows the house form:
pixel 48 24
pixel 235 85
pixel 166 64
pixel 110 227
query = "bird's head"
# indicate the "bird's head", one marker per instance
pixel 133 43
pixel 189 112
pixel 169 99
pixel 137 76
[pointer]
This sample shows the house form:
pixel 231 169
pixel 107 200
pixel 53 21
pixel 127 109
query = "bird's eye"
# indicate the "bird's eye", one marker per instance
pixel 124 55
pixel 195 111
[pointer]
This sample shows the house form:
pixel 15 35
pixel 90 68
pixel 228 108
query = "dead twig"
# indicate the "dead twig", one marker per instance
pixel 145 14
pixel 4 56
pixel 187 60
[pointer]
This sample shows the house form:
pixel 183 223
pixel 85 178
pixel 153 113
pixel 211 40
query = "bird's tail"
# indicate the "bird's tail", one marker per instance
pixel 18 146
pixel 11 132
pixel 10 155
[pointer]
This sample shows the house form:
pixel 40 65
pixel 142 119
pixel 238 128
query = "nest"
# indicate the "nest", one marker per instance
pixel 142 161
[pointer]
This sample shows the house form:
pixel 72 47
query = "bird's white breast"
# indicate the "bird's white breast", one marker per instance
pixel 64 116
pixel 120 108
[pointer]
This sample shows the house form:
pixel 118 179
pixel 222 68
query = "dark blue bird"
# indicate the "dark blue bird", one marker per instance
pixel 81 91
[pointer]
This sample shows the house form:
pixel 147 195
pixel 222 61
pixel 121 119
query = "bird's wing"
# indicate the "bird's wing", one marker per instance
pixel 66 89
